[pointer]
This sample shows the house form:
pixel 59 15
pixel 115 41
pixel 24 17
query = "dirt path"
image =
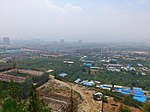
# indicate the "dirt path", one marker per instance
pixel 88 104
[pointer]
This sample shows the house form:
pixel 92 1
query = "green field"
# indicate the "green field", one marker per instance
pixel 77 70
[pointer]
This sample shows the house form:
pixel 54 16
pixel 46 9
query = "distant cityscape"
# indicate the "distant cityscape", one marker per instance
pixel 74 55
pixel 122 69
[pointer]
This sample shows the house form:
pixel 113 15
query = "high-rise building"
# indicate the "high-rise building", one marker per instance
pixel 6 40
pixel 62 40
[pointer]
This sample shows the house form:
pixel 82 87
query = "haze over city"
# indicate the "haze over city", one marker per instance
pixel 88 20
pixel 74 55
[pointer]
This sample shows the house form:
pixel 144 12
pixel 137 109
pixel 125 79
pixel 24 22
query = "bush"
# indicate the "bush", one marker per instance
pixel 124 109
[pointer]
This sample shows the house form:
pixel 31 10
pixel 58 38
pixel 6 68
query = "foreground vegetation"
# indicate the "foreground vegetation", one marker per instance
pixel 11 100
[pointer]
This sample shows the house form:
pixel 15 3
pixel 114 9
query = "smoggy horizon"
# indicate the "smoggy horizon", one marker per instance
pixel 99 20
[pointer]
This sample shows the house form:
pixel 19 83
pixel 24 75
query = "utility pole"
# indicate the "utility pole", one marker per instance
pixel 14 62
pixel 102 102
pixel 71 100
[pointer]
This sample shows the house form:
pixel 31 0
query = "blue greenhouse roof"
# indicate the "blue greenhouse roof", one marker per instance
pixel 88 64
pixel 140 98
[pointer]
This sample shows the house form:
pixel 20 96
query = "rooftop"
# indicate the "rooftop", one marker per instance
pixel 8 78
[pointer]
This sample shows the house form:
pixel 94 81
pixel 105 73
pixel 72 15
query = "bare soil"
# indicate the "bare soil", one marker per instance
pixel 87 103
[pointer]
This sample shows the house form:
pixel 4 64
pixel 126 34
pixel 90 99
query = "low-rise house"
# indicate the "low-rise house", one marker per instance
pixel 78 80
pixel 62 74
pixel 132 69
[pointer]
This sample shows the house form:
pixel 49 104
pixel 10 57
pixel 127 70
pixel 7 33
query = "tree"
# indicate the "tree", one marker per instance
pixel 124 109
pixel 83 69
pixel 112 88
pixel 14 91
pixel 11 105
pixel 36 104
pixel 13 102
pixel 89 72
pixel 2 93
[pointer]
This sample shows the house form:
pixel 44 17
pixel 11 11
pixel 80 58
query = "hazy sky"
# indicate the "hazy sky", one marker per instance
pixel 88 20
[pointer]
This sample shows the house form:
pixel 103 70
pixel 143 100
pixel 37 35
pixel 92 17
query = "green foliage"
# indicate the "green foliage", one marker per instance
pixel 77 70
pixel 14 91
pixel 35 104
pixel 2 93
pixel 12 105
pixel 105 100
pixel 83 69
pixel 12 100
pixel 124 109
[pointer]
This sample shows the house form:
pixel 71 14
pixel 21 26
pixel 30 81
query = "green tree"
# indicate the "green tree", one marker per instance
pixel 89 72
pixel 12 101
pixel 14 91
pixel 11 105
pixel 2 93
pixel 83 69
pixel 124 109
pixel 112 88
pixel 36 104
